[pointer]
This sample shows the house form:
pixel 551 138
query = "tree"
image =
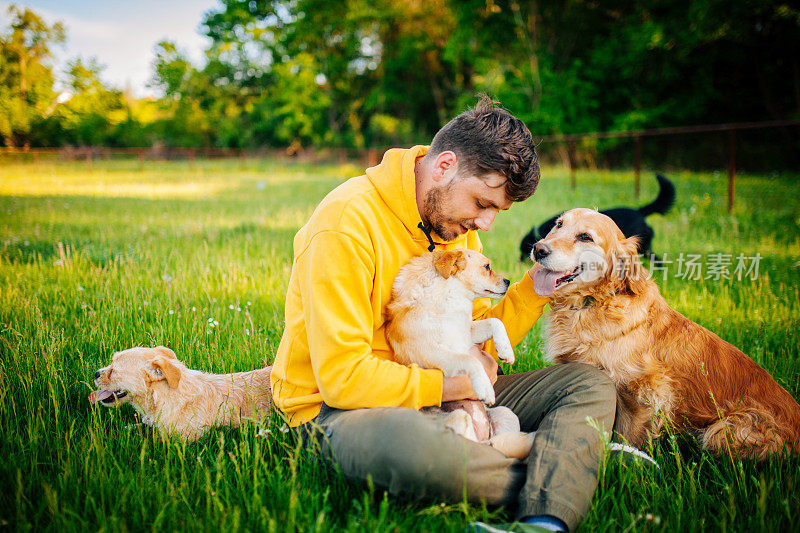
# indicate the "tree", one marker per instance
pixel 26 80
pixel 92 110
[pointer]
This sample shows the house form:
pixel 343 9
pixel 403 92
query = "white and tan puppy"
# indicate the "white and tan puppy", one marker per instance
pixel 429 323
pixel 430 315
pixel 176 399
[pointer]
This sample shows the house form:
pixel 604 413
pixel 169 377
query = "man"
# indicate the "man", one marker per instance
pixel 335 372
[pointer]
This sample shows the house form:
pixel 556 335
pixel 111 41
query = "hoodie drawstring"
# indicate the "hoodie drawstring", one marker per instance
pixel 427 233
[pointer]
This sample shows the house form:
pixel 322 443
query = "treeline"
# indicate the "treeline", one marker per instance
pixel 362 73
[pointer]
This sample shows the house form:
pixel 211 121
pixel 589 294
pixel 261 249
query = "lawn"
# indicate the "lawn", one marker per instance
pixel 197 257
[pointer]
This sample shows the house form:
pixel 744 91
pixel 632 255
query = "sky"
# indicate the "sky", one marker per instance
pixel 121 34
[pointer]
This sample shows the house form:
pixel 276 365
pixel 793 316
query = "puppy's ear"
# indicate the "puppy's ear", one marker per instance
pixel 166 352
pixel 164 368
pixel 627 266
pixel 450 263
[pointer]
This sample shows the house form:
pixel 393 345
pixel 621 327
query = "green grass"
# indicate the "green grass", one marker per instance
pixel 93 261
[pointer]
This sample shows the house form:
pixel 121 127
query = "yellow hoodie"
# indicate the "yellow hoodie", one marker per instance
pixel 346 257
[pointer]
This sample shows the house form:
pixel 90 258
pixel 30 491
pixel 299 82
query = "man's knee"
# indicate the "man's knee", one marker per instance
pixel 591 384
pixel 595 378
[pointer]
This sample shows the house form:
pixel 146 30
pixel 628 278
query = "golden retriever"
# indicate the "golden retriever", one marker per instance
pixel 178 400
pixel 429 323
pixel 606 311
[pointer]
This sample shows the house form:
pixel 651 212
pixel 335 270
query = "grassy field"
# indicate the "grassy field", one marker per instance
pixel 198 258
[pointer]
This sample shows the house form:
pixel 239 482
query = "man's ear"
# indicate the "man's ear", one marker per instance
pixel 164 368
pixel 443 165
pixel 450 263
pixel 166 352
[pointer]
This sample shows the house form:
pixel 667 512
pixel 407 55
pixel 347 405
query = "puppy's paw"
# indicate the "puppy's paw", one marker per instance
pixel 461 424
pixel 505 353
pixel 484 391
pixel 517 445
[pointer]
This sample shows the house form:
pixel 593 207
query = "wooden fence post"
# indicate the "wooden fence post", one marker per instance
pixel 637 166
pixel 731 168
pixel 573 181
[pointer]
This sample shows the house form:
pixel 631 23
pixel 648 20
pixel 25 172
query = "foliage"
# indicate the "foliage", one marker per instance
pixel 26 80
pixel 297 73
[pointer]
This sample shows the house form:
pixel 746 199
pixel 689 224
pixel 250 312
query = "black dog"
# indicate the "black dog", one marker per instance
pixel 630 221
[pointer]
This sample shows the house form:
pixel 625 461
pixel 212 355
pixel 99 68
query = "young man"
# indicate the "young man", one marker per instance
pixel 334 370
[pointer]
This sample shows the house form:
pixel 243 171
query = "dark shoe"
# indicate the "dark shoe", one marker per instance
pixel 511 527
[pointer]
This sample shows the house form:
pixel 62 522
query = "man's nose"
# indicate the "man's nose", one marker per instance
pixel 540 251
pixel 484 221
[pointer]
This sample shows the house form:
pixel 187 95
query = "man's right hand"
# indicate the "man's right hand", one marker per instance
pixel 460 387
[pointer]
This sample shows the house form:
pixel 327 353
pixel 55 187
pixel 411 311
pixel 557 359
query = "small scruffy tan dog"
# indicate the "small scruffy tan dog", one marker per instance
pixel 429 323
pixel 607 312
pixel 176 399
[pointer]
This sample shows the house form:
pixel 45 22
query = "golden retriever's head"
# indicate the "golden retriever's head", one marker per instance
pixel 133 374
pixel 586 249
pixel 473 270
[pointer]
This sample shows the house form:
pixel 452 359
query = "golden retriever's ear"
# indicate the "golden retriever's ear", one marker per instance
pixel 627 266
pixel 164 368
pixel 450 263
pixel 166 352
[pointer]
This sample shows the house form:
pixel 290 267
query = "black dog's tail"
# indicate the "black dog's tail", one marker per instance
pixel 664 200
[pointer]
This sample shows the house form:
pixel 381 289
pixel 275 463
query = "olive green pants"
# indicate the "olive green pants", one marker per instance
pixel 410 452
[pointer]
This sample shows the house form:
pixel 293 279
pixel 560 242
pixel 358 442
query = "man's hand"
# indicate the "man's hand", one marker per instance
pixel 488 362
pixel 536 266
pixel 460 387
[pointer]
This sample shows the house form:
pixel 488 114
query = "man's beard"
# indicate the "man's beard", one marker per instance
pixel 434 217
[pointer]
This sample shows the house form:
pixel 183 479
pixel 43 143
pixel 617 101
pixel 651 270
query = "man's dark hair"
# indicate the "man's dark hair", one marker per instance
pixel 489 139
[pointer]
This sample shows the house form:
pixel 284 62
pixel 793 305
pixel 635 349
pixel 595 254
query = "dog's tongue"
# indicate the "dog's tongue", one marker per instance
pixel 100 395
pixel 544 281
